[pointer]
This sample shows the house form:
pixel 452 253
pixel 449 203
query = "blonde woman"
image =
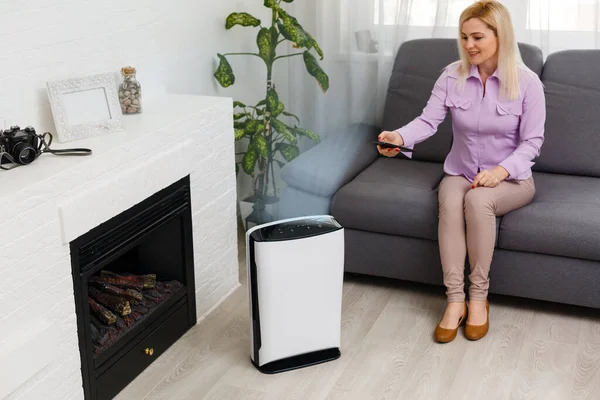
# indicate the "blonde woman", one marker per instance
pixel 498 112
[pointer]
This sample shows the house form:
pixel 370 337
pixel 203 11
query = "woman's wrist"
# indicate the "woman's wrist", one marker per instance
pixel 501 172
pixel 401 143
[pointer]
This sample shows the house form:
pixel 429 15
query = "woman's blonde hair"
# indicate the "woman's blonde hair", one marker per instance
pixel 497 18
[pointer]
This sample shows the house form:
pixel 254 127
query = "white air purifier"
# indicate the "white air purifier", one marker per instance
pixel 295 277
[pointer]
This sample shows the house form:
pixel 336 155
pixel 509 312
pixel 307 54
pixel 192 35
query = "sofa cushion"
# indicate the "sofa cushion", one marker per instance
pixel 394 196
pixel 419 63
pixel 563 219
pixel 572 90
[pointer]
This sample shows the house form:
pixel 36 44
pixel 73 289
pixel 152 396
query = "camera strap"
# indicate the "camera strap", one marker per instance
pixel 62 152
pixel 10 159
pixel 69 152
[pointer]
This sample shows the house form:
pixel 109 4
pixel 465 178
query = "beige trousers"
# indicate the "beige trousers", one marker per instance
pixel 467 222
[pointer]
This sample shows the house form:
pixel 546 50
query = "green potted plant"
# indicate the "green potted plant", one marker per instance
pixel 271 130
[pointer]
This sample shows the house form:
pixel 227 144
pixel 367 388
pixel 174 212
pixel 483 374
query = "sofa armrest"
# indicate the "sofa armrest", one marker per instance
pixel 325 168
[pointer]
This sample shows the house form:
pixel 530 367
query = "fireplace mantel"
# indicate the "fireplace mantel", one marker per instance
pixel 47 204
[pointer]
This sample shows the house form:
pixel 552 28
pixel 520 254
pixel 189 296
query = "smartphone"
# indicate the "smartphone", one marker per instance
pixel 392 146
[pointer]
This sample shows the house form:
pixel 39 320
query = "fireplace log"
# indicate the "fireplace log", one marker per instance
pixel 118 281
pixel 131 295
pixel 105 315
pixel 114 303
pixel 103 335
pixel 137 282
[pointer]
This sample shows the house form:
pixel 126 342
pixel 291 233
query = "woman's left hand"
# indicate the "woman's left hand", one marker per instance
pixel 490 178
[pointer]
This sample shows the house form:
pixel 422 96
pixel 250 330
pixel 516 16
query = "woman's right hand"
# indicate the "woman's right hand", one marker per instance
pixel 389 137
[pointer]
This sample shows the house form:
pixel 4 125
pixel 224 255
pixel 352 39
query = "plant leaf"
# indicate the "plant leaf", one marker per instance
pixel 239 125
pixel 288 151
pixel 239 133
pixel 251 126
pixel 263 40
pixel 292 30
pixel 288 1
pixel 287 18
pixel 261 103
pixel 237 169
pixel 243 19
pixel 240 116
pixel 287 114
pixel 224 73
pixel 284 130
pixel 238 104
pixel 270 3
pixel 313 68
pixel 260 144
pixel 272 100
pixel 309 134
pixel 292 33
pixel 279 110
pixel 312 43
pixel 249 160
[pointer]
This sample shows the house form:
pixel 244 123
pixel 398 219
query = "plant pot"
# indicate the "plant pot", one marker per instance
pixel 256 210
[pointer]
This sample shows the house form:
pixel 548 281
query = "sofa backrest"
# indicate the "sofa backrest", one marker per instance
pixel 572 134
pixel 419 63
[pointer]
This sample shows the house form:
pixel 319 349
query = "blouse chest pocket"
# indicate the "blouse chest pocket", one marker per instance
pixel 457 102
pixel 461 109
pixel 510 108
pixel 509 114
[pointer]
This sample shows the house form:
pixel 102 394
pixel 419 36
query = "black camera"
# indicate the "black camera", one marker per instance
pixel 21 146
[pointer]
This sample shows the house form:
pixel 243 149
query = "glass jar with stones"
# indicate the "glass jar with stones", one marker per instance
pixel 130 92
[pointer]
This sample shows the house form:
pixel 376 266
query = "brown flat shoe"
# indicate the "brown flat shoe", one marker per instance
pixel 444 335
pixel 476 332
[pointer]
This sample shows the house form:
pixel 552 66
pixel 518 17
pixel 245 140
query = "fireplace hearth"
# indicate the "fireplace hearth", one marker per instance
pixel 134 289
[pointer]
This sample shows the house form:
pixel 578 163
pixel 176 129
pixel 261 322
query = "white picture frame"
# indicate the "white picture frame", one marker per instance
pixel 85 106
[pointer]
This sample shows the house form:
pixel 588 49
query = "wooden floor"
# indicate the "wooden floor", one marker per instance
pixel 534 350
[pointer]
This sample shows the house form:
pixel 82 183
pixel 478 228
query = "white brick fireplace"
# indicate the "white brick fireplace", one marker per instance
pixel 47 204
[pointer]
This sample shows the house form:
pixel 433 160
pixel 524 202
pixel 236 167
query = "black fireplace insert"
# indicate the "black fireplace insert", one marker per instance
pixel 133 279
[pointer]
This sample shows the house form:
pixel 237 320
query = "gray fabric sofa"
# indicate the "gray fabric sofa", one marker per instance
pixel 548 250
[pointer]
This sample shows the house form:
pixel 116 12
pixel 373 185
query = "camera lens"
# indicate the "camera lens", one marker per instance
pixel 24 153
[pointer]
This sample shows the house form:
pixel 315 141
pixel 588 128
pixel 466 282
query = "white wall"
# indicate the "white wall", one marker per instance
pixel 196 36
pixel 173 44
pixel 53 39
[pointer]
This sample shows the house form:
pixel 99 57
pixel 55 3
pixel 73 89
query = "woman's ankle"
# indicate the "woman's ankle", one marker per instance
pixel 478 300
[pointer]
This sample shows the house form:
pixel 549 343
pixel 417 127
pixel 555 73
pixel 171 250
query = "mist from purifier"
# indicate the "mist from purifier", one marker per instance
pixel 347 118
pixel 359 65
pixel 314 178
pixel 358 58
